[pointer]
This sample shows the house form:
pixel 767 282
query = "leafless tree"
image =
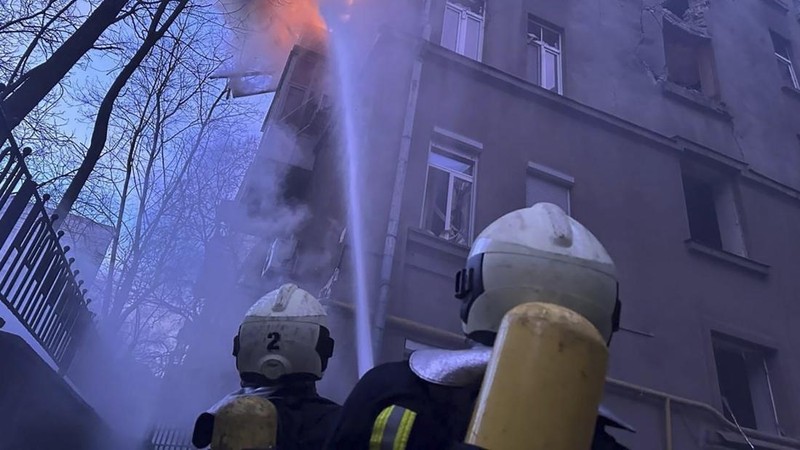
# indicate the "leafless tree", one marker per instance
pixel 42 40
pixel 175 149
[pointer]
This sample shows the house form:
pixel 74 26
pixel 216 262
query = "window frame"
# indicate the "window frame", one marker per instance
pixel 792 72
pixel 461 32
pixel 546 48
pixel 444 150
pixel 552 176
pixel 728 210
pixel 766 356
pixel 677 39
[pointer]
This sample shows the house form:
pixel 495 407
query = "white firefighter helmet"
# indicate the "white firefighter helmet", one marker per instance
pixel 536 254
pixel 283 334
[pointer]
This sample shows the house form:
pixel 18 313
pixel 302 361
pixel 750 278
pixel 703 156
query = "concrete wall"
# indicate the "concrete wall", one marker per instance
pixel 610 134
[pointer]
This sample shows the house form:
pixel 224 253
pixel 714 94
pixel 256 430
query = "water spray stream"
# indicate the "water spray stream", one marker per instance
pixel 341 62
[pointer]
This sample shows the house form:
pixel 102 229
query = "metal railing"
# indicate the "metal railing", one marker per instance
pixel 165 438
pixel 37 283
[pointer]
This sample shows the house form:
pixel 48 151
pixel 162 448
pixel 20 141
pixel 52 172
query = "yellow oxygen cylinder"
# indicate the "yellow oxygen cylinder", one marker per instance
pixel 543 384
pixel 242 422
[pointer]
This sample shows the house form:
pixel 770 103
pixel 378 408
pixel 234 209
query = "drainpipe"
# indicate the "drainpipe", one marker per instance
pixel 390 242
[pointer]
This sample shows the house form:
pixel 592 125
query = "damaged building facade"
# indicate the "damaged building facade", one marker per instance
pixel 670 129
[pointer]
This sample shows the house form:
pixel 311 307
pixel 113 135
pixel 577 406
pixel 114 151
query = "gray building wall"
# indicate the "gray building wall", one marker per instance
pixel 625 134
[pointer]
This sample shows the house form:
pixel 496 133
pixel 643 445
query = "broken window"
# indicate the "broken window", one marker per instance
pixel 544 56
pixel 783 52
pixel 301 100
pixel 295 185
pixel 546 185
pixel 690 59
pixel 745 385
pixel 447 210
pixel 711 208
pixel 281 257
pixel 462 30
pixel 677 7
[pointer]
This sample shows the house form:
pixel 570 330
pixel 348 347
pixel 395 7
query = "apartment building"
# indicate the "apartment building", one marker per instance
pixel 670 129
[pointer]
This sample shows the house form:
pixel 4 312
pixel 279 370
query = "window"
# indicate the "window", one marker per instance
pixel 783 52
pixel 301 100
pixel 689 58
pixel 447 210
pixel 677 7
pixel 462 31
pixel 547 185
pixel 745 384
pixel 281 257
pixel 295 185
pixel 711 209
pixel 544 56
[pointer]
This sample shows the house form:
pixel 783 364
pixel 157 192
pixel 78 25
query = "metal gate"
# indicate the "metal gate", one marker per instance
pixel 37 282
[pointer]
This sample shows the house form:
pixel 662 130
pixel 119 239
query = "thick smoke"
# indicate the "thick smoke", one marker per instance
pixel 264 33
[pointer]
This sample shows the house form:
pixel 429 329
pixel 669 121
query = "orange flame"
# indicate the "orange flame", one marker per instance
pixel 267 30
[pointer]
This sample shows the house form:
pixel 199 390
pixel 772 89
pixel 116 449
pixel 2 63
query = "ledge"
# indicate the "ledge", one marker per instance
pixel 550 174
pixel 790 91
pixel 695 100
pixel 741 262
pixel 730 162
pixel 778 4
pixel 423 237
pixel 491 75
pixel 728 438
pixel 765 181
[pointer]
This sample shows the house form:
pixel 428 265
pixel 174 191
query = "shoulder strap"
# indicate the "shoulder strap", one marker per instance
pixel 392 428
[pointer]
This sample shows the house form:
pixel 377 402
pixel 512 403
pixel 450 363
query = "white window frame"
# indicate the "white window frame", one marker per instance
pixel 774 424
pixel 445 150
pixel 545 48
pixel 461 39
pixel 785 60
pixel 788 62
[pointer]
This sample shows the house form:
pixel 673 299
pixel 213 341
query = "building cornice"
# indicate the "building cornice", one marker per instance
pixel 676 144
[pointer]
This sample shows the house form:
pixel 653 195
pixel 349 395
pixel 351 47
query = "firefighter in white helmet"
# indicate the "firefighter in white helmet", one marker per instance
pixel 532 254
pixel 282 350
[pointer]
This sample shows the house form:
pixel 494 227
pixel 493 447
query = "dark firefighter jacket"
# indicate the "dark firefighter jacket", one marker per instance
pixel 392 408
pixel 305 418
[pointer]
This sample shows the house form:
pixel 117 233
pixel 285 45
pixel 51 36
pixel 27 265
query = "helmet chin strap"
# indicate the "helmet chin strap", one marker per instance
pixel 252 379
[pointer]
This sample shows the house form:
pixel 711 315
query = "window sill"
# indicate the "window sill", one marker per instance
pixel 695 99
pixel 742 262
pixel 423 237
pixel 791 92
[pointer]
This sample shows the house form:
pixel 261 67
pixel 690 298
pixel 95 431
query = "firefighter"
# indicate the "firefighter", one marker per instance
pixel 282 350
pixel 427 402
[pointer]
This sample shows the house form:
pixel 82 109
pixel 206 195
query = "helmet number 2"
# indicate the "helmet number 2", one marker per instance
pixel 274 339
